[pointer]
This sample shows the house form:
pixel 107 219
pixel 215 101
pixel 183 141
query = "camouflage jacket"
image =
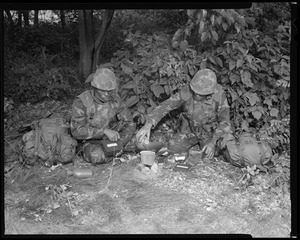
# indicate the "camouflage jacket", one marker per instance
pixel 208 119
pixel 89 118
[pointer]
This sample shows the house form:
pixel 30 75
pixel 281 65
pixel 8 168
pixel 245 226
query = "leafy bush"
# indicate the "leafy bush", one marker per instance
pixel 281 172
pixel 32 79
pixel 253 68
pixel 40 62
pixel 145 21
pixel 150 70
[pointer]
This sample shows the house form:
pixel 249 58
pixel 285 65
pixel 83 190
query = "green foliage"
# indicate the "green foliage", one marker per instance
pixel 277 134
pixel 39 62
pixel 253 68
pixel 247 177
pixel 32 79
pixel 151 71
pixel 280 172
pixel 208 26
pixel 266 16
pixel 30 39
pixel 145 21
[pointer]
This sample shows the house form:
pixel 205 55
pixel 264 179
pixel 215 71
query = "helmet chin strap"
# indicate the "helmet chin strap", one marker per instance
pixel 96 98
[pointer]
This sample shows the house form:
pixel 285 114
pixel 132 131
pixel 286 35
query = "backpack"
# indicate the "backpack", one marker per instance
pixel 50 141
pixel 247 151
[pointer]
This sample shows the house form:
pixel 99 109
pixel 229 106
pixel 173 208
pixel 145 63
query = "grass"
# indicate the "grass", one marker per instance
pixel 173 203
pixel 206 201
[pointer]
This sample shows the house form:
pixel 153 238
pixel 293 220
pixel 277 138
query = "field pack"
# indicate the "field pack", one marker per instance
pixel 247 151
pixel 50 141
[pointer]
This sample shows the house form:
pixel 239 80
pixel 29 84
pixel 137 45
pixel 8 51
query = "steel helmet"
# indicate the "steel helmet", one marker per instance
pixel 204 82
pixel 93 153
pixel 104 79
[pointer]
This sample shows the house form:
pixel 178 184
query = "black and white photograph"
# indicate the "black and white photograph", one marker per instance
pixel 138 121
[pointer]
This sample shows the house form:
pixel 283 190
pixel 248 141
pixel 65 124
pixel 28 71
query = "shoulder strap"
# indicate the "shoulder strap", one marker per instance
pixel 86 98
pixel 262 152
pixel 242 159
pixel 37 138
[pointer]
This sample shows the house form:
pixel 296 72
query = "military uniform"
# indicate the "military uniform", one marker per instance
pixel 205 113
pixel 208 120
pixel 90 117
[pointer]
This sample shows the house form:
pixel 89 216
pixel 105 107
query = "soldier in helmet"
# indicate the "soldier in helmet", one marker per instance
pixel 205 113
pixel 99 114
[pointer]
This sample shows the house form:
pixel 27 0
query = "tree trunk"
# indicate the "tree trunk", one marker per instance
pixel 107 18
pixel 10 20
pixel 19 18
pixel 63 19
pixel 86 42
pixel 89 47
pixel 26 17
pixel 36 18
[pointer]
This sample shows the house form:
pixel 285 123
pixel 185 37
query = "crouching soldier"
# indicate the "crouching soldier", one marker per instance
pixel 205 116
pixel 99 114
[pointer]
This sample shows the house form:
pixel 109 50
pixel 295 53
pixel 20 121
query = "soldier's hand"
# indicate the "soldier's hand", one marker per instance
pixel 143 135
pixel 112 135
pixel 209 150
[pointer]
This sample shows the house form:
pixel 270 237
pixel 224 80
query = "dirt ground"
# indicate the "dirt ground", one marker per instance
pixel 209 199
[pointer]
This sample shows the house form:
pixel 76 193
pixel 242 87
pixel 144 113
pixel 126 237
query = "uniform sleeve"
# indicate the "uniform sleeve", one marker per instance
pixel 128 126
pixel 175 101
pixel 80 128
pixel 224 124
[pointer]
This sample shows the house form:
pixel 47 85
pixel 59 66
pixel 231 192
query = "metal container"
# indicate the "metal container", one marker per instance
pixel 80 172
pixel 147 157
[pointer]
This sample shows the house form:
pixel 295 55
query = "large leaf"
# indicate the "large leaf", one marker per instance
pixel 170 71
pixel 253 98
pixel 245 126
pixel 231 64
pixel 219 61
pixel 233 94
pixel 126 68
pixel 239 63
pixel 204 36
pixel 190 12
pixel 167 89
pixel 219 19
pixel 177 35
pixel 132 101
pixel 215 35
pixel 90 78
pixel 184 45
pixel 225 26
pixel 257 114
pixel 175 44
pixel 274 112
pixel 129 85
pixel 203 65
pixel 212 20
pixel 246 78
pixel 157 90
pixel 234 78
pixel 201 27
pixel 268 101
